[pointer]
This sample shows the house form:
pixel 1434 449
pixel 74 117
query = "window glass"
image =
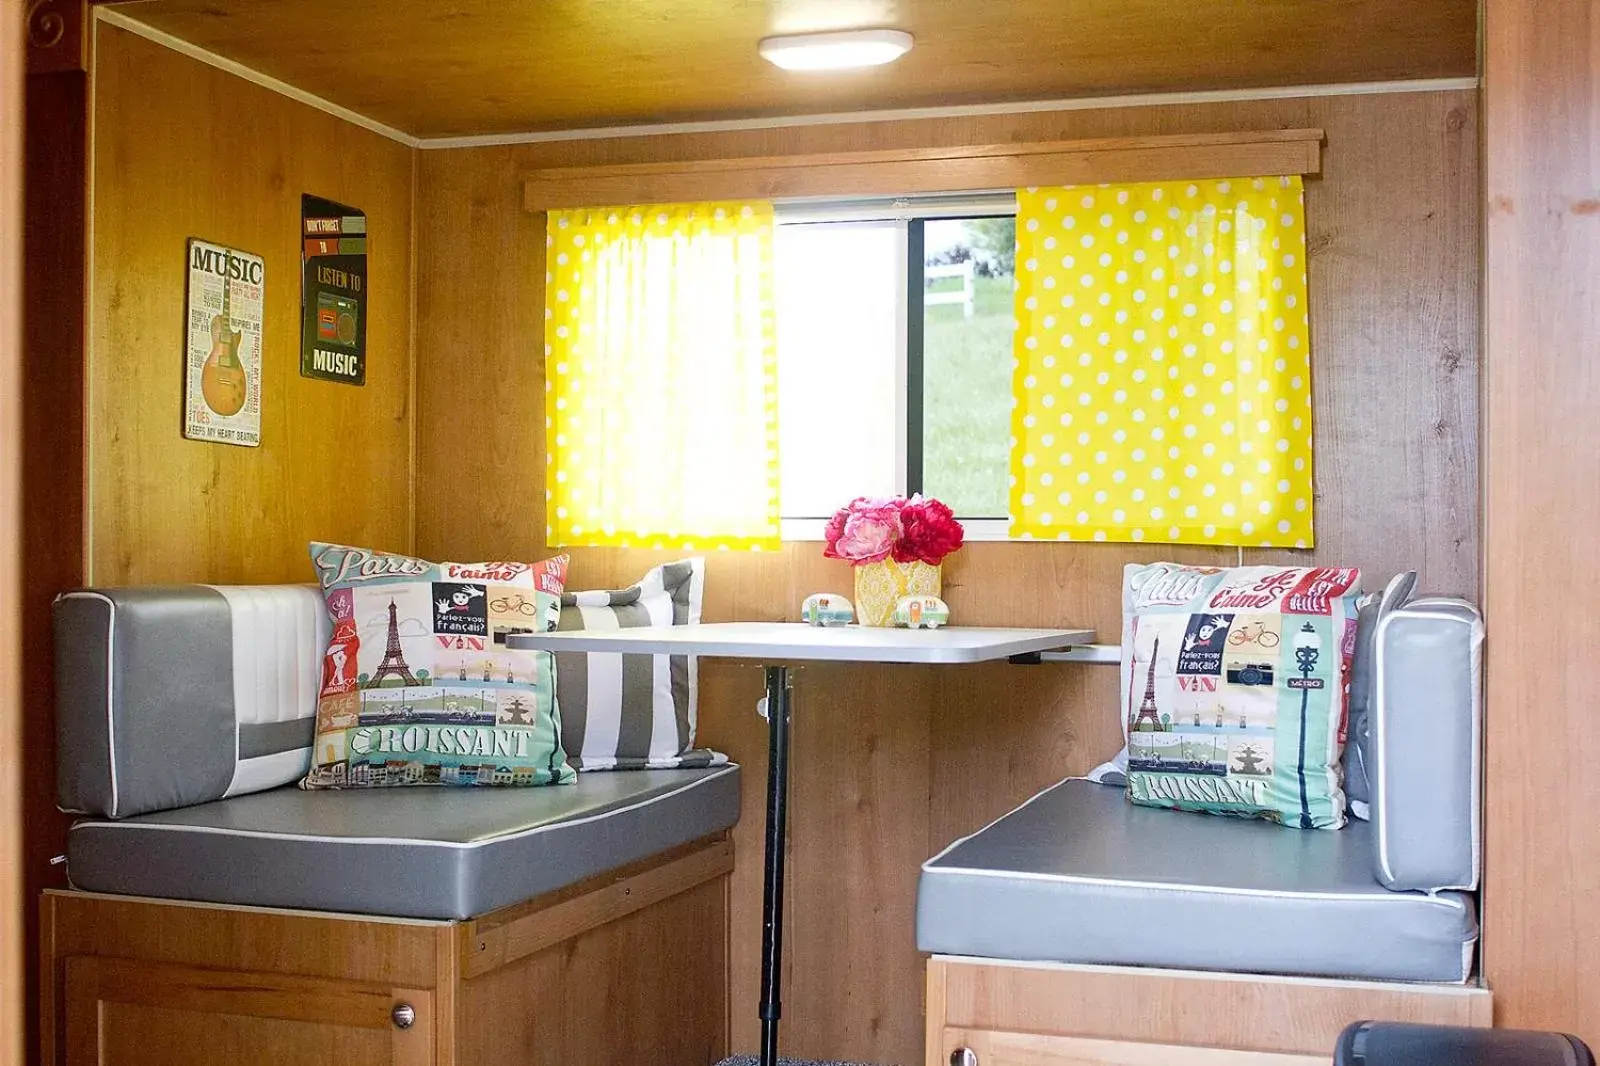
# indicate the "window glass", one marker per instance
pixel 967 326
pixel 841 404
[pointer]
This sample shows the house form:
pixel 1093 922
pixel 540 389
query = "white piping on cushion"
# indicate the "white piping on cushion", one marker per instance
pixel 1383 895
pixel 1379 749
pixel 111 717
pixel 1381 792
pixel 997 821
pixel 412 841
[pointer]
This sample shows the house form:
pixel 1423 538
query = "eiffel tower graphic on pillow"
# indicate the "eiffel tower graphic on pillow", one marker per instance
pixel 1148 720
pixel 394 660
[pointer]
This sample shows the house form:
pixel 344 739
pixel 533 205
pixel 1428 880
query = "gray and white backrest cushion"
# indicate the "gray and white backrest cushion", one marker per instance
pixel 1426 747
pixel 1357 787
pixel 172 695
pixel 632 712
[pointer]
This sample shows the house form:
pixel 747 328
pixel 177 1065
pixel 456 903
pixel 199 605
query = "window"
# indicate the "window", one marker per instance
pixel 895 323
pixel 1109 362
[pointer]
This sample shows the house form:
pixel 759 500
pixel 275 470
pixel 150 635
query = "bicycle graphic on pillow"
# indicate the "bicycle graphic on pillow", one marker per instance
pixel 1253 633
pixel 514 604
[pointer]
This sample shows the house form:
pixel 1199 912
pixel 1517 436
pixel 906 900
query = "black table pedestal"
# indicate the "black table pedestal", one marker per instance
pixel 778 697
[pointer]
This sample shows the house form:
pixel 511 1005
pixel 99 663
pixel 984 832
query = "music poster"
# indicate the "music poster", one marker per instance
pixel 333 319
pixel 222 368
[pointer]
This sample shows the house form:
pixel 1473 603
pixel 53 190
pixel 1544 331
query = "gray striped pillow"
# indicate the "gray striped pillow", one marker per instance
pixel 632 712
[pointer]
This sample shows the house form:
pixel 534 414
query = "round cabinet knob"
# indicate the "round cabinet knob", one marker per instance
pixel 404 1015
pixel 963 1056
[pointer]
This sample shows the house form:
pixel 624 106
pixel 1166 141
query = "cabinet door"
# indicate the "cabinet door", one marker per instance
pixel 1026 1049
pixel 125 1013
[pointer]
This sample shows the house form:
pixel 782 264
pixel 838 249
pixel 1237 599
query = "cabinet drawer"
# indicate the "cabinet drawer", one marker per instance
pixel 126 1013
pixel 994 1048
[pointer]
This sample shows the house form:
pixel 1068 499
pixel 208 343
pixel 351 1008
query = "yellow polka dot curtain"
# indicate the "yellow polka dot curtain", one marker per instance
pixel 1162 377
pixel 661 394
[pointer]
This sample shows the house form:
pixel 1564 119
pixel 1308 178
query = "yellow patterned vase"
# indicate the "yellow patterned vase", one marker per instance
pixel 879 587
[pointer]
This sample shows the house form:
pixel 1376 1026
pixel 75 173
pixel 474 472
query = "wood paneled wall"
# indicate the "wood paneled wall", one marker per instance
pixel 892 763
pixel 184 150
pixel 1541 511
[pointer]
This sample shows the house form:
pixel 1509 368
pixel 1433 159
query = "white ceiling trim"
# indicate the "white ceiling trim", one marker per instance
pixel 1024 107
pixel 193 51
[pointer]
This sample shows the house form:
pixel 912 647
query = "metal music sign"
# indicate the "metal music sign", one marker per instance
pixel 333 319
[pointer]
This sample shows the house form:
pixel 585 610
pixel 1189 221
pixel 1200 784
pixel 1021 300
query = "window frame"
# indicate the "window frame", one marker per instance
pixel 910 212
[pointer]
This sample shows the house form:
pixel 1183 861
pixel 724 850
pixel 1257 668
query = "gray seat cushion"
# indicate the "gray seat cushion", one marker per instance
pixel 419 853
pixel 1077 874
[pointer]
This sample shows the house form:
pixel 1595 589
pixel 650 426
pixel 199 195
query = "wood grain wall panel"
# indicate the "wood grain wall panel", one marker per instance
pixel 1393 236
pixel 857 842
pixel 967 744
pixel 184 150
pixel 1541 510
pixel 480 483
pixel 15 804
pixel 728 722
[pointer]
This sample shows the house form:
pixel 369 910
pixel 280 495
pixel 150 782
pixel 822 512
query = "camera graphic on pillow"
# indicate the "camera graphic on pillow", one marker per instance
pixel 1249 673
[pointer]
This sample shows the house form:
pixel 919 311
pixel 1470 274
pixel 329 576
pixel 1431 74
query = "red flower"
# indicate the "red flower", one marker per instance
pixel 929 532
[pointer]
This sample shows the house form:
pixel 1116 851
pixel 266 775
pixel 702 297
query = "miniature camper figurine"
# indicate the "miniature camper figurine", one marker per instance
pixel 826 609
pixel 920 612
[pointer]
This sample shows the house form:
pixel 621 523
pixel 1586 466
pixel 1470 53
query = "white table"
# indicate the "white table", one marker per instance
pixel 778 643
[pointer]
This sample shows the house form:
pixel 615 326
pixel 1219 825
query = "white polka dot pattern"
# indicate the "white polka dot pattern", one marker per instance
pixel 1163 364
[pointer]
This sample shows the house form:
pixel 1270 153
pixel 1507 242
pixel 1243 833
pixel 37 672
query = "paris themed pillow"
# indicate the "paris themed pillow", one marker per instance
pixel 1235 689
pixel 418 685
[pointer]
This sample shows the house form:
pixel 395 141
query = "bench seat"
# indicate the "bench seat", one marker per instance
pixel 444 853
pixel 1079 875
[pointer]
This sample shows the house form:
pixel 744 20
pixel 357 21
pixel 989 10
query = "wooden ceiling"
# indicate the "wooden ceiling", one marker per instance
pixel 452 67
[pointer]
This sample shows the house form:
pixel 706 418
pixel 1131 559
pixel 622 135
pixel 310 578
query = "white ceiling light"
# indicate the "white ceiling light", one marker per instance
pixel 836 51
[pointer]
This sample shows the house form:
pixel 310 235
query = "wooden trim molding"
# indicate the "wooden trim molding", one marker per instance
pixel 890 172
pixel 57 39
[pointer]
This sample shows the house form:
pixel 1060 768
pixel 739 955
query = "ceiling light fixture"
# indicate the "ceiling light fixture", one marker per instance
pixel 836 51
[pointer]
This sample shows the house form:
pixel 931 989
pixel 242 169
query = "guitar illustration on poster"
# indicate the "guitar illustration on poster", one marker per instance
pixel 222 379
pixel 333 293
pixel 223 383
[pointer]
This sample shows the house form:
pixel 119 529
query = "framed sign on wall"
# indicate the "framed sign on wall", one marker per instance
pixel 333 318
pixel 222 368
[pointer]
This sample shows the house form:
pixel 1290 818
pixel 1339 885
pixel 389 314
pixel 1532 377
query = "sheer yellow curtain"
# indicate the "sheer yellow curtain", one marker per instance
pixel 661 392
pixel 1162 379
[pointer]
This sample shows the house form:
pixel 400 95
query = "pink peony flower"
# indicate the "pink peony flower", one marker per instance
pixel 865 531
pixel 929 532
pixel 872 528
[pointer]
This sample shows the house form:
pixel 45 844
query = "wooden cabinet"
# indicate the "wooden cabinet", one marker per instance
pixel 630 967
pixel 996 1013
pixel 122 1012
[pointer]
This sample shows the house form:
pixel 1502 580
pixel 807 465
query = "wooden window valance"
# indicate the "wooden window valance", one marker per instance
pixel 902 171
